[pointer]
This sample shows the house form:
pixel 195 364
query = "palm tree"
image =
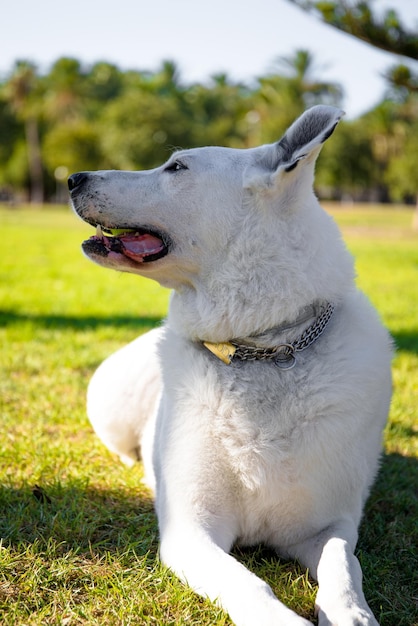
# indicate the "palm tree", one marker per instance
pixel 65 85
pixel 300 69
pixel 21 91
pixel 289 90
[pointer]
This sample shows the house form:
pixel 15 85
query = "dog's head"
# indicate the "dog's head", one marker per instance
pixel 216 216
pixel 161 222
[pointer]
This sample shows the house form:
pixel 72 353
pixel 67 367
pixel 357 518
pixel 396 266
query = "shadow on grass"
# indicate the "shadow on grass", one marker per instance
pixel 78 322
pixel 406 340
pixel 388 539
pixel 62 519
pixel 386 548
pixel 56 520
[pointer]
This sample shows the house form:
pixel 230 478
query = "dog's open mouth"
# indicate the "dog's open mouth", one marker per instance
pixel 138 244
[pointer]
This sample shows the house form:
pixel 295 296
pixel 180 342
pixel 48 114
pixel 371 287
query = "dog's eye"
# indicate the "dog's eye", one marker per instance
pixel 175 166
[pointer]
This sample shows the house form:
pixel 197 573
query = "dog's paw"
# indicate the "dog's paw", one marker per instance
pixel 355 616
pixel 296 620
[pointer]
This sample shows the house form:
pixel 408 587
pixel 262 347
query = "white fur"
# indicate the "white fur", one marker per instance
pixel 247 453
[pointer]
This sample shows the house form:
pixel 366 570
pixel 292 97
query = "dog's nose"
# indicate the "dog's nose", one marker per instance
pixel 75 180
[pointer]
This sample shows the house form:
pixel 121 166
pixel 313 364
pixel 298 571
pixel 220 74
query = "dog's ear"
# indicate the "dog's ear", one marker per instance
pixel 306 136
pixel 302 142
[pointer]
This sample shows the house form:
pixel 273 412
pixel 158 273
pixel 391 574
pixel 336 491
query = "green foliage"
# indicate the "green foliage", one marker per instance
pixel 384 31
pixel 140 125
pixel 63 90
pixel 402 171
pixel 288 91
pixel 15 171
pixel 355 173
pixel 219 112
pixel 23 92
pixel 99 117
pixel 10 132
pixel 358 19
pixel 75 145
pixel 402 79
pixel 79 535
pixel 394 138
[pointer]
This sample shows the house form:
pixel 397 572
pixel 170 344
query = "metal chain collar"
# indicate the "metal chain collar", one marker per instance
pixel 283 355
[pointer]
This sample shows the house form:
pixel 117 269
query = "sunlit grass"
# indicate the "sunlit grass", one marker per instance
pixel 79 532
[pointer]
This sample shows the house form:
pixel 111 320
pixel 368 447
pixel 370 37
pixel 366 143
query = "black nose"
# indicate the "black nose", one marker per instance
pixel 76 180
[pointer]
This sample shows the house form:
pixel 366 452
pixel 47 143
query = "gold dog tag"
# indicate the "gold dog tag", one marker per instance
pixel 224 351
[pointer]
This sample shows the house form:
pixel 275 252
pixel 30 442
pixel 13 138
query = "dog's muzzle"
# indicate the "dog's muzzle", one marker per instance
pixel 139 244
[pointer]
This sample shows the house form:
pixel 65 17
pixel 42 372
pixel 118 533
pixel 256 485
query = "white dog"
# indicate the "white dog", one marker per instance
pixel 258 408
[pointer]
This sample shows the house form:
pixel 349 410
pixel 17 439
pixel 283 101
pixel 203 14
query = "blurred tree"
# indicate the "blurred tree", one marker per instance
pixel 358 19
pixel 22 92
pixel 219 112
pixel 15 173
pixel 300 69
pixel 286 93
pixel 139 128
pixel 156 113
pixel 402 80
pixel 74 146
pixel 73 100
pixel 11 133
pixel 402 171
pixel 385 31
pixel 166 82
pixel 99 117
pixel 387 134
pixel 64 88
pixel 347 169
pixel 104 82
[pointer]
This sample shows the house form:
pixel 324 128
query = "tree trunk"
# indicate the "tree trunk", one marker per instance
pixel 35 161
pixel 415 216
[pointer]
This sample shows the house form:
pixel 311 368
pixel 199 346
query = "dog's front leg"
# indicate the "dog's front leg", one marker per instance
pixel 330 558
pixel 213 573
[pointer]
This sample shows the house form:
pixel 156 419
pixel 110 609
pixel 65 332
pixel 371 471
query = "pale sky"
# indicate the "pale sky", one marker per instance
pixel 241 38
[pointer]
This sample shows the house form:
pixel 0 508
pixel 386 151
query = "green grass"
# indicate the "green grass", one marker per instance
pixel 79 533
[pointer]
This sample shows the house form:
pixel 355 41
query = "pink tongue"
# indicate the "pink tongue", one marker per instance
pixel 138 246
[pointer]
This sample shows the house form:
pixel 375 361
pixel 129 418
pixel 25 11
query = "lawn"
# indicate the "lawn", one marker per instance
pixel 79 536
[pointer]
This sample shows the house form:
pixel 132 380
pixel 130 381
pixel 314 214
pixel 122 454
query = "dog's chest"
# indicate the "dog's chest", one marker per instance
pixel 254 418
pixel 262 422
